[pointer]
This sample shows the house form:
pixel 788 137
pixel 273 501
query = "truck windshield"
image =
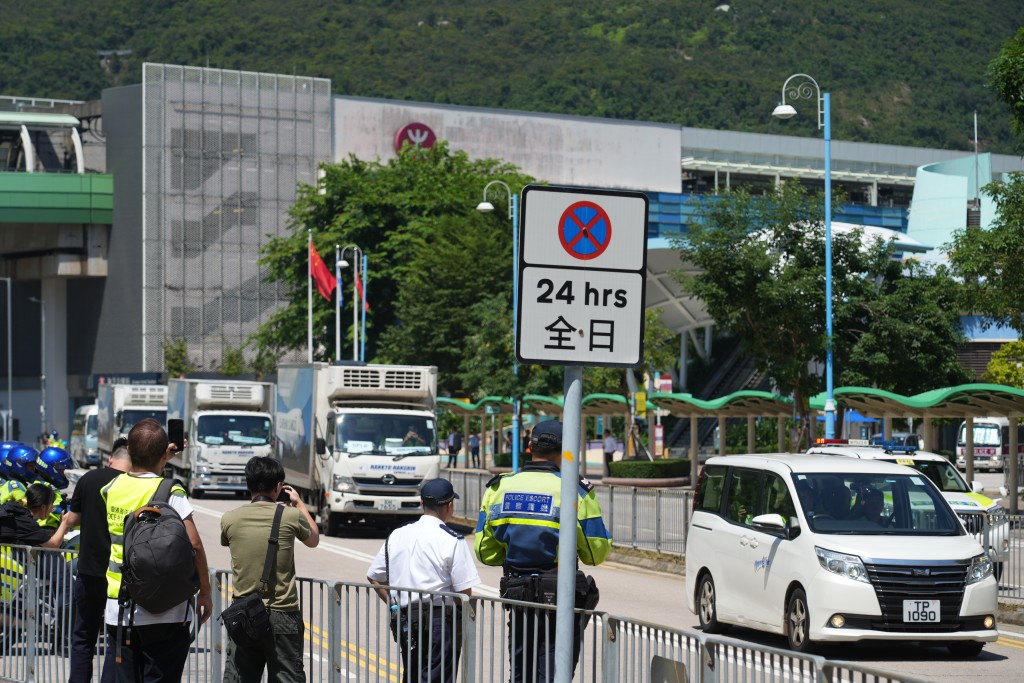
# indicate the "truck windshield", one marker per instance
pixel 386 434
pixel 862 504
pixel 131 417
pixel 233 430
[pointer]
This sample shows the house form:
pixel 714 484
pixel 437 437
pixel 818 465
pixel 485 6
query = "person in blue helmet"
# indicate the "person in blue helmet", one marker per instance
pixel 10 487
pixel 21 466
pixel 50 467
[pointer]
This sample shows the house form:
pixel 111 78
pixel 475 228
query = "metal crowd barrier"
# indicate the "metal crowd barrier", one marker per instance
pixel 639 518
pixel 348 637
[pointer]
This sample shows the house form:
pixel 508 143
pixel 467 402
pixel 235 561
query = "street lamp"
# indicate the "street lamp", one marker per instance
pixel 42 361
pixel 807 87
pixel 357 301
pixel 513 215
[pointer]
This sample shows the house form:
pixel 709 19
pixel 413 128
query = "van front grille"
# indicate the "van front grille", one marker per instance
pixel 894 583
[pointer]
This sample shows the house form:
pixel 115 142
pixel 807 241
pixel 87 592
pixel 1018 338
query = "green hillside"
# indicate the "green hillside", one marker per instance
pixel 900 71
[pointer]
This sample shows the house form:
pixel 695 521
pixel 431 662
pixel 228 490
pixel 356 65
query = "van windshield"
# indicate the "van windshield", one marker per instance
pixel 90 426
pixel 385 434
pixel 942 474
pixel 874 504
pixel 984 435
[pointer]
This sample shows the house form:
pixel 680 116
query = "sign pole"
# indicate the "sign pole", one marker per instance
pixel 566 601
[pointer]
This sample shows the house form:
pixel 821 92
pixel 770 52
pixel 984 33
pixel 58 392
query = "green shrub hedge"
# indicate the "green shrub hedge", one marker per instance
pixel 650 469
pixel 503 460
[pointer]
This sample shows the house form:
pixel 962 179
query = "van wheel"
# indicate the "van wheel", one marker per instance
pixel 707 612
pixel 798 622
pixel 965 649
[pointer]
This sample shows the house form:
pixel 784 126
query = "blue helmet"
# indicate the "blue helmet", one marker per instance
pixel 19 457
pixel 5 448
pixel 51 464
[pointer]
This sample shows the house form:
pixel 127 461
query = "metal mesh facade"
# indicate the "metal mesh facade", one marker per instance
pixel 223 153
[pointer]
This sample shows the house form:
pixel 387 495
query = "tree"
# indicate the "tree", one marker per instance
pixel 232 361
pixel 910 334
pixel 1007 365
pixel 176 363
pixel 991 262
pixel 396 212
pixel 762 278
pixel 660 354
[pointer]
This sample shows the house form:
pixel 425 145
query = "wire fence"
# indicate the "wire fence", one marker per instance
pixel 350 633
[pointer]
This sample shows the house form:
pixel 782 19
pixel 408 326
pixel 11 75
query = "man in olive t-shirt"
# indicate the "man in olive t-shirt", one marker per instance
pixel 246 531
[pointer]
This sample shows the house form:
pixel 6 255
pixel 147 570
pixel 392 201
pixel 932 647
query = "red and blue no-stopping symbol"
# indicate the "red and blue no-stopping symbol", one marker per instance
pixel 584 230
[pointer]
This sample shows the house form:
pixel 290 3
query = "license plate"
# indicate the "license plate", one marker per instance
pixel 921 611
pixel 386 505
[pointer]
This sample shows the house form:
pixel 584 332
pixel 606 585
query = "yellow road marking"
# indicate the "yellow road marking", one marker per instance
pixel 1018 644
pixel 360 657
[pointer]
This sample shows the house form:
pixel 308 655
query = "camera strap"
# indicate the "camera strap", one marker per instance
pixel 269 563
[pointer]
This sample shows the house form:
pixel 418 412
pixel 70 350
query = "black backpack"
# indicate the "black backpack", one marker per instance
pixel 159 568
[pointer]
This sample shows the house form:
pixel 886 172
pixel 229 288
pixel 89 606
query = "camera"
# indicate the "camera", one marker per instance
pixel 284 497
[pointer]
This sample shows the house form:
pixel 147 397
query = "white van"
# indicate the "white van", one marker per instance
pixel 775 544
pixel 82 444
pixel 983 517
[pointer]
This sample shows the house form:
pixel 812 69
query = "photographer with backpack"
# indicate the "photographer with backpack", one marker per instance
pixel 157 562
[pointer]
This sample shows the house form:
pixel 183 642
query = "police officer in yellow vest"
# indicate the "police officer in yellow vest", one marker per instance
pixel 156 646
pixel 518 529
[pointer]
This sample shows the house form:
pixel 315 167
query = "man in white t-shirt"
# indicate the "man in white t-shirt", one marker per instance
pixel 611 444
pixel 427 555
pixel 156 646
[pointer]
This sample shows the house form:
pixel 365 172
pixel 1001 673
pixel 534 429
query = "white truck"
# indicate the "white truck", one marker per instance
pixel 226 423
pixel 358 441
pixel 120 406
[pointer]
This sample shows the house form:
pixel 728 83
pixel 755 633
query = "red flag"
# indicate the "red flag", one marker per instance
pixel 325 282
pixel 359 288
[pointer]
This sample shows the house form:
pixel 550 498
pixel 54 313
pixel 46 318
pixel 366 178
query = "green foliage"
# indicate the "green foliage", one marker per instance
pixel 901 72
pixel 1007 365
pixel 264 363
pixel 430 253
pixel 766 435
pixel 176 363
pixel 1005 76
pixel 991 262
pixel 233 362
pixel 660 347
pixel 650 469
pixel 503 460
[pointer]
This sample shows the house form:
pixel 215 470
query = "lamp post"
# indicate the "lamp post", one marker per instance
pixel 8 420
pixel 807 87
pixel 42 362
pixel 513 215
pixel 357 258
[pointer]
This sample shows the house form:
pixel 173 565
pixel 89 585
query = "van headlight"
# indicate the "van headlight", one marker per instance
pixel 342 484
pixel 981 569
pixel 849 566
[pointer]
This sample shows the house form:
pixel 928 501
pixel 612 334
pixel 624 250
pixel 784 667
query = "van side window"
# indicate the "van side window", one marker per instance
pixel 743 494
pixel 709 498
pixel 776 498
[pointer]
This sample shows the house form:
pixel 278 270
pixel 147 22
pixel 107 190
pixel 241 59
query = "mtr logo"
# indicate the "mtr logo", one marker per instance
pixel 416 134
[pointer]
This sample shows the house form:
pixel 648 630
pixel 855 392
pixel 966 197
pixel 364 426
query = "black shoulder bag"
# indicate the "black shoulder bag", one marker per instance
pixel 247 619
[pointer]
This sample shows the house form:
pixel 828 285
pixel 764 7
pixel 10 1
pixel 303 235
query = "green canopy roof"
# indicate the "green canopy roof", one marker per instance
pixel 975 400
pixel 738 404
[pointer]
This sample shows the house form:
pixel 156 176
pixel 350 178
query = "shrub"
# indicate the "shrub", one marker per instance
pixel 650 469
pixel 505 459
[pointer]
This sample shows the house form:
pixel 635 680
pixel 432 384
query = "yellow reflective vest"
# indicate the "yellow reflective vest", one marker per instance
pixel 519 520
pixel 122 496
pixel 12 489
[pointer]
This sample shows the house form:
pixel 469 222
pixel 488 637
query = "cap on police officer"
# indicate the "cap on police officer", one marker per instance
pixel 547 437
pixel 438 492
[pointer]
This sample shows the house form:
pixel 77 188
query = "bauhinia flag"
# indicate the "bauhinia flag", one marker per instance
pixel 321 275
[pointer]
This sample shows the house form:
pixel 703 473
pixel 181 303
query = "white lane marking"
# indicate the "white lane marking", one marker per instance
pixel 486 591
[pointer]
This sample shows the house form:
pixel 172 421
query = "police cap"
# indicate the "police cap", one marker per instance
pixel 547 436
pixel 438 492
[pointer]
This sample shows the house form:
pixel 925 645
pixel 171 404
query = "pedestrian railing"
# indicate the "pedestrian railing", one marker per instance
pixel 653 519
pixel 348 636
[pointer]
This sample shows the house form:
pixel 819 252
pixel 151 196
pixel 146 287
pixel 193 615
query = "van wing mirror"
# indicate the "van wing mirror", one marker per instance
pixel 773 522
pixel 977 487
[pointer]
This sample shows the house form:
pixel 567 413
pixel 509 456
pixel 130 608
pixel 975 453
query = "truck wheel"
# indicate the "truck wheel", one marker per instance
pixel 197 493
pixel 335 520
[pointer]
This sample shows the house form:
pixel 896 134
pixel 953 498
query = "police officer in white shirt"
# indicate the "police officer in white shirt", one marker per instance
pixel 427 555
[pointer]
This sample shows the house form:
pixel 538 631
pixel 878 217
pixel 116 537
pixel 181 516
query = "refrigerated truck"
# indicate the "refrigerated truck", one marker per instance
pixel 227 422
pixel 358 440
pixel 120 406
